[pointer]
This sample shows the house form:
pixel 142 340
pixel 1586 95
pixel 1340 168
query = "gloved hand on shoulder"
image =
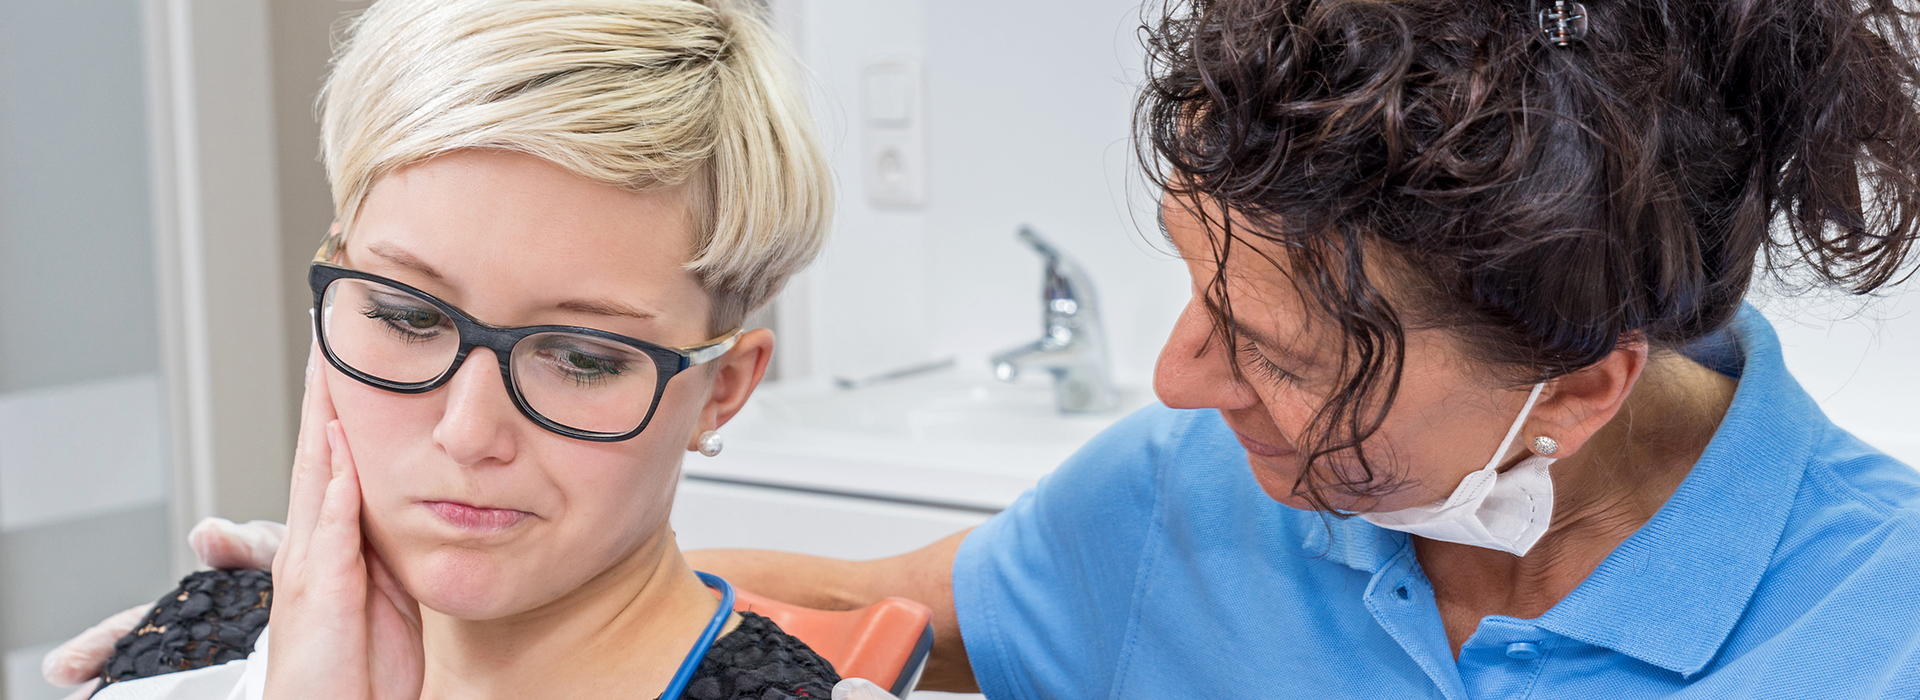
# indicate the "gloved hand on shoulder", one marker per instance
pixel 218 542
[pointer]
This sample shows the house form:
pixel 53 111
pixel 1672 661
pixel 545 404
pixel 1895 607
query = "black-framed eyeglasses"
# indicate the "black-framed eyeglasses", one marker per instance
pixel 579 382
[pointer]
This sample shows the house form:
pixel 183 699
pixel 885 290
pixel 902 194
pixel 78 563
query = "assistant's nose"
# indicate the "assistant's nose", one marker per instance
pixel 1195 368
pixel 480 419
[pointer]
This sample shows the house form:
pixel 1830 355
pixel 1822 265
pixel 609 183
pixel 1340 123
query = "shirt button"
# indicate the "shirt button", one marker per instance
pixel 1523 651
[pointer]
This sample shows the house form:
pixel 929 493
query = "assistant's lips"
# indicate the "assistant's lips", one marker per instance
pixel 1261 448
pixel 477 518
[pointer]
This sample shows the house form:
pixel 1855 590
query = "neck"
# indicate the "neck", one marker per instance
pixel 622 633
pixel 1602 495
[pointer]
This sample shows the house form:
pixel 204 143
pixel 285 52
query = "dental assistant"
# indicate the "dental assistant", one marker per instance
pixel 1467 402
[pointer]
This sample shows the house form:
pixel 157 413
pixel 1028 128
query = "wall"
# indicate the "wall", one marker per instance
pixel 301 33
pixel 1860 358
pixel 83 468
pixel 1026 109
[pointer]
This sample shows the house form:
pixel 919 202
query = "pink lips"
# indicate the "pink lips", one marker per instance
pixel 483 520
pixel 1261 448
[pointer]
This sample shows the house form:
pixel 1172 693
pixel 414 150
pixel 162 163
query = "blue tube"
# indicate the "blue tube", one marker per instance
pixel 682 677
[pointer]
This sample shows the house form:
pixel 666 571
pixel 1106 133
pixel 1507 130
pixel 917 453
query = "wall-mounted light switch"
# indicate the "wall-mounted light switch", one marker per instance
pixel 893 122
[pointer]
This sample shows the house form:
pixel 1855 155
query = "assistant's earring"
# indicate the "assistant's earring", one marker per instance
pixel 1545 445
pixel 710 443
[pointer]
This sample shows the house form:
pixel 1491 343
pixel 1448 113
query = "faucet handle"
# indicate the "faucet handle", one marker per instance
pixel 1040 245
pixel 1066 289
pixel 1073 347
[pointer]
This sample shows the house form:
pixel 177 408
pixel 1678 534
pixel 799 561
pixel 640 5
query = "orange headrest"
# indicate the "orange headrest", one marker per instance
pixel 877 642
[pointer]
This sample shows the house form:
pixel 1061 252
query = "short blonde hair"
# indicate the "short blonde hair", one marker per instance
pixel 634 93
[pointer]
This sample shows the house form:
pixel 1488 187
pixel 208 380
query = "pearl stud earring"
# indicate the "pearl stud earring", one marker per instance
pixel 710 443
pixel 1545 445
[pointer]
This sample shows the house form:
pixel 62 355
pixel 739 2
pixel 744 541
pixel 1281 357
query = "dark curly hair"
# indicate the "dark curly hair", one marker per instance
pixel 1547 203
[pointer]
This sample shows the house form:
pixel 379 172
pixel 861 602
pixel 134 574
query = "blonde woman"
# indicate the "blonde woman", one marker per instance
pixel 552 217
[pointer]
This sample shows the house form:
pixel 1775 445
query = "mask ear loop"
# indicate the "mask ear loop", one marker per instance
pixel 1514 431
pixel 1477 481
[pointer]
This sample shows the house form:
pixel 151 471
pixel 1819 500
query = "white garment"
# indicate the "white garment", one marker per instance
pixel 1506 511
pixel 239 679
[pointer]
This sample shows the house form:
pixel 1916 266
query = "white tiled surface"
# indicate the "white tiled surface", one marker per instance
pixel 77 450
pixel 23 675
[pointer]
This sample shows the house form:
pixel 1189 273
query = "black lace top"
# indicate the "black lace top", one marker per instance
pixel 215 616
pixel 757 660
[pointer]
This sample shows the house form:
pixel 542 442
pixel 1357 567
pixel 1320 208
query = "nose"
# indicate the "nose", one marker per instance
pixel 1195 369
pixel 480 418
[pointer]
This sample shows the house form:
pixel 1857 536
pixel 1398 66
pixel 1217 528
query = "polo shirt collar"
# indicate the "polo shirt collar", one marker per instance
pixel 1673 591
pixel 1352 542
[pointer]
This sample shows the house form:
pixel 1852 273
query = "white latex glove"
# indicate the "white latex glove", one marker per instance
pixel 82 658
pixel 860 689
pixel 220 544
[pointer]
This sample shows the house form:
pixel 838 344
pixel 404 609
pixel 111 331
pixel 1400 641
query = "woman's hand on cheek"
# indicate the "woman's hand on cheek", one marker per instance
pixel 342 625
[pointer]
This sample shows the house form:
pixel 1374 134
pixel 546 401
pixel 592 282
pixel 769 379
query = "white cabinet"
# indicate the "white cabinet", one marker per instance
pixel 708 515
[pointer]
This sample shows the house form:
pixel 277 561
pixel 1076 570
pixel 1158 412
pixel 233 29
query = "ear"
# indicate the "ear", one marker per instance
pixel 1575 407
pixel 735 375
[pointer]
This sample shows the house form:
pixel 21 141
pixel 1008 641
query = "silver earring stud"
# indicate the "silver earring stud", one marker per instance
pixel 710 443
pixel 1545 445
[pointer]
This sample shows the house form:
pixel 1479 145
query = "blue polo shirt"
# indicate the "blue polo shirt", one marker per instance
pixel 1151 565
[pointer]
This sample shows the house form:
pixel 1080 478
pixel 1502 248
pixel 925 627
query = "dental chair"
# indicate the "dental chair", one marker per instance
pixel 886 642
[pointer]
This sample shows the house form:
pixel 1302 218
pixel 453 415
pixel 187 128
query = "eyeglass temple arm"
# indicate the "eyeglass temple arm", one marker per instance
pixel 329 248
pixel 710 351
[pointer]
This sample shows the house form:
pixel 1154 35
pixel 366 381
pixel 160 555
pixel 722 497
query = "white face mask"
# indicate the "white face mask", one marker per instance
pixel 1504 511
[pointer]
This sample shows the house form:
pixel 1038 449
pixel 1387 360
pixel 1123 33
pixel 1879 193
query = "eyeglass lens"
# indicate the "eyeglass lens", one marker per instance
pixel 579 381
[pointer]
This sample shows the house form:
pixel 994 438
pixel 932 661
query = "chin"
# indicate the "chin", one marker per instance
pixel 1278 483
pixel 463 583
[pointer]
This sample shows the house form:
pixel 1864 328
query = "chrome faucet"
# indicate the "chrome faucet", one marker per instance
pixel 1074 346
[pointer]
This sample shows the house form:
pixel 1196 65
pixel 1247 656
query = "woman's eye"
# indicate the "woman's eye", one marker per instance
pixel 419 318
pixel 590 363
pixel 1266 368
pixel 409 321
pixel 585 369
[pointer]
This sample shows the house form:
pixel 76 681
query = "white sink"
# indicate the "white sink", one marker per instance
pixel 955 438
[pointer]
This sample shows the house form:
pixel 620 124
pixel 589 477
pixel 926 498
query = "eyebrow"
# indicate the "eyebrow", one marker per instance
pixel 605 308
pixel 598 307
pixel 404 259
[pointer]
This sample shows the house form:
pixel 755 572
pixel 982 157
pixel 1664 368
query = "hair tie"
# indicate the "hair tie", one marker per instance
pixel 1564 24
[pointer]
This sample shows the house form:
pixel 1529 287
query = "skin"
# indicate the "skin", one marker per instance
pixel 1630 429
pixel 376 595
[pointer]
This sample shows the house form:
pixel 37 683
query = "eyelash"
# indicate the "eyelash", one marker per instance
pixel 1266 368
pixel 390 319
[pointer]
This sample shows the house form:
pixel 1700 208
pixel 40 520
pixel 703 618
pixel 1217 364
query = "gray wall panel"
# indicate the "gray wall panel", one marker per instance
pixel 59 579
pixel 76 250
